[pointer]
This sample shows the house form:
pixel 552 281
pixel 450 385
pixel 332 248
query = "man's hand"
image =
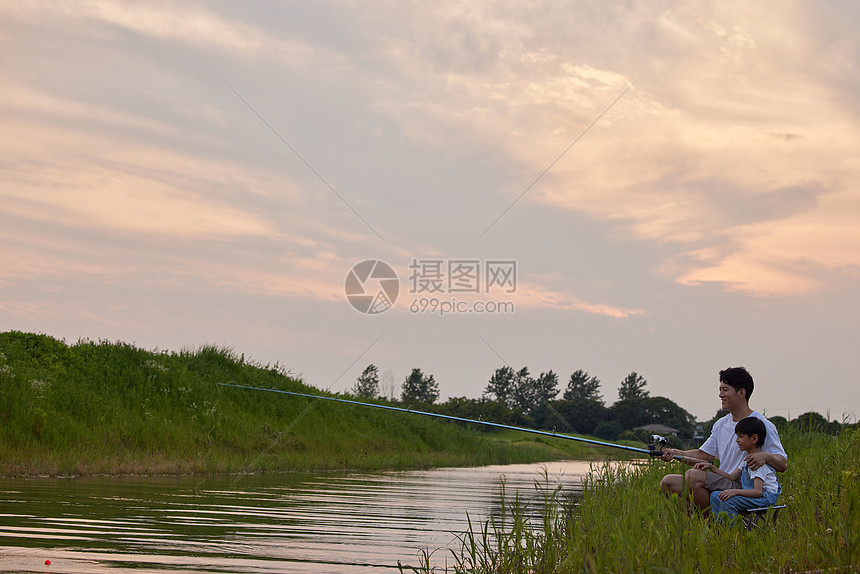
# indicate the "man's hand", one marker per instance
pixel 668 454
pixel 756 460
pixel 727 494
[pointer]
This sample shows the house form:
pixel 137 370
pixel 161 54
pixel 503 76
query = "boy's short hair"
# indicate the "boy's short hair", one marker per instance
pixel 752 426
pixel 739 378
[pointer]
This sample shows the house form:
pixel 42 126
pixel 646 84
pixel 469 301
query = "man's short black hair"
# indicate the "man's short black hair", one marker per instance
pixel 752 426
pixel 739 378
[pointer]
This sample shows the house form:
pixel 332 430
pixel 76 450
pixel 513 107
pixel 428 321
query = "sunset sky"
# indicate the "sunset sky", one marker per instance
pixel 677 182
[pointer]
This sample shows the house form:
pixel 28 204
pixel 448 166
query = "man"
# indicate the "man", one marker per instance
pixel 736 387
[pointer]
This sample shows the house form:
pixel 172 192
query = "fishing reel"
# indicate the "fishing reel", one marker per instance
pixel 656 444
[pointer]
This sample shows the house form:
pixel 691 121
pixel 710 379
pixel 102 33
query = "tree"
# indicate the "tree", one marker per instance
pixel 632 413
pixel 665 411
pixel 419 389
pixel 632 387
pixel 523 389
pixel 502 386
pixel 531 393
pixel 608 430
pixel 581 386
pixel 481 409
pixel 367 383
pixel 781 423
pixel 576 416
pixel 545 389
pixel 814 422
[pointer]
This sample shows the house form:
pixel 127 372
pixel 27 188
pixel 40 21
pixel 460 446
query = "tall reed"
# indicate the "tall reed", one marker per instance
pixel 622 523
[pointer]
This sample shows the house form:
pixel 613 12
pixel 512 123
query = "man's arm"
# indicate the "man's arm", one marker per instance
pixel 761 458
pixel 689 457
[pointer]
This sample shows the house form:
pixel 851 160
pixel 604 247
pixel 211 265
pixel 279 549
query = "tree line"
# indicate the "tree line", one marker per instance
pixel 517 397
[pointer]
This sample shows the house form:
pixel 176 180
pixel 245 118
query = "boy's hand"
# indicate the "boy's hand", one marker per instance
pixel 703 466
pixel 727 494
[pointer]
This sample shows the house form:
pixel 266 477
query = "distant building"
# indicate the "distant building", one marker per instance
pixel 660 429
pixel 698 435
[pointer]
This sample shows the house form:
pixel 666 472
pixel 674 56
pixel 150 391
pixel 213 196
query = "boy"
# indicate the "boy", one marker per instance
pixel 759 487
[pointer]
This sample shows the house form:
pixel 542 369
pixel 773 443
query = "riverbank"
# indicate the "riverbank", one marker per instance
pixel 622 523
pixel 105 408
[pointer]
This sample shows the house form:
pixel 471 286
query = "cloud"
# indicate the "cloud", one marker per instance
pixel 534 295
pixel 128 204
pixel 729 142
pixel 123 171
pixel 724 152
pixel 75 178
pixel 802 254
pixel 189 24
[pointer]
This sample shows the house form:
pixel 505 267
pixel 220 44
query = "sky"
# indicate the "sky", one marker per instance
pixel 670 188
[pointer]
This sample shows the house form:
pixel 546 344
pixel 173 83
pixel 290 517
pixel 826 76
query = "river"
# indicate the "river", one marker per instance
pixel 285 523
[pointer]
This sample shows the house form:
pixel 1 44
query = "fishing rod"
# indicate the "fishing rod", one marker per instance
pixel 655 448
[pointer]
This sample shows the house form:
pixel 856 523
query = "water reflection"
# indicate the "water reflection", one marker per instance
pixel 272 523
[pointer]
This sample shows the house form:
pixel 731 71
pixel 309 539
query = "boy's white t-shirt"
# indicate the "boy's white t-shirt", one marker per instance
pixel 767 475
pixel 722 445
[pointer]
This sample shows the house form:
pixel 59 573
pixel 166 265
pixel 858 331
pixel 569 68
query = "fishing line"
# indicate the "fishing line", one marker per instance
pixel 209 438
pixel 304 412
pixel 317 398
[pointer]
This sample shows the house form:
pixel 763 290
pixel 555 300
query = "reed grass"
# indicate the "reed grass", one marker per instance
pixel 111 408
pixel 622 523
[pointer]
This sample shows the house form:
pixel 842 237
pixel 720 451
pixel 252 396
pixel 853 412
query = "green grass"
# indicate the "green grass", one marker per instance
pixel 623 524
pixel 111 408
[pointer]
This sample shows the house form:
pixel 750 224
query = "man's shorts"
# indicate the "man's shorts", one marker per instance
pixel 714 481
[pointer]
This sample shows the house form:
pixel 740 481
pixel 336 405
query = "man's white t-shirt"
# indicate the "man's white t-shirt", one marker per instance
pixel 722 445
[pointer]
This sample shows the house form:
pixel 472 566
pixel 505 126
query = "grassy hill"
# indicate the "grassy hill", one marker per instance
pixel 111 408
